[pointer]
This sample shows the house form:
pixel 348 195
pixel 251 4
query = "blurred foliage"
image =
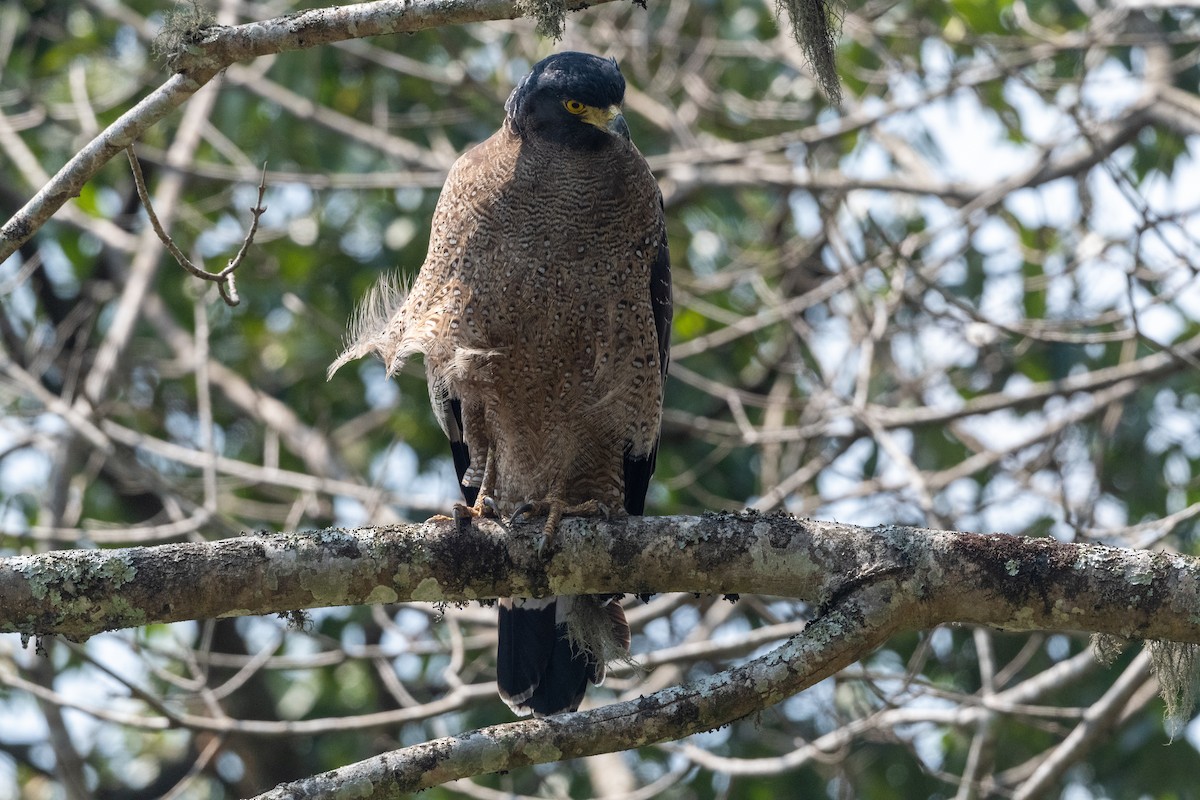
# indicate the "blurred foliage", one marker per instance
pixel 864 296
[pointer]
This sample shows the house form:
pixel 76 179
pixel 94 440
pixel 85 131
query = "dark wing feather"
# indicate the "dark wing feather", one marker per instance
pixel 449 412
pixel 639 469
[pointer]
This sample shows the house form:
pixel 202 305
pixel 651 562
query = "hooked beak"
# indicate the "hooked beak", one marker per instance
pixel 610 119
pixel 617 124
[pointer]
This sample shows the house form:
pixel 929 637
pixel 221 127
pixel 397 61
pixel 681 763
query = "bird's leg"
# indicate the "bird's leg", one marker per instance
pixel 555 509
pixel 485 503
pixel 482 479
pixel 485 506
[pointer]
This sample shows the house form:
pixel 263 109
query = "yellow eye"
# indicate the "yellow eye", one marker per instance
pixel 574 106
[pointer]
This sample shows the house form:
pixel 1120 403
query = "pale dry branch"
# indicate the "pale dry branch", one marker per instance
pixel 309 113
pixel 1098 721
pixel 169 718
pixel 972 711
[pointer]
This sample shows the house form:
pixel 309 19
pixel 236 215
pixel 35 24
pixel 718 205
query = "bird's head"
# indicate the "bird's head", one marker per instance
pixel 570 98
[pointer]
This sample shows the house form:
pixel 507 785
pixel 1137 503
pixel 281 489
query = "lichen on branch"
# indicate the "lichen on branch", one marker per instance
pixel 816 27
pixel 183 26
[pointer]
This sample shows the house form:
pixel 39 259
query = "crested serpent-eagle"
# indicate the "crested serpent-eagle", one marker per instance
pixel 543 314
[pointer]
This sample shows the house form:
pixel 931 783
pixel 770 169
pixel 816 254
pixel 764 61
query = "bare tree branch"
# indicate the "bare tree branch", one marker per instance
pixel 1098 722
pixel 962 302
pixel 1004 581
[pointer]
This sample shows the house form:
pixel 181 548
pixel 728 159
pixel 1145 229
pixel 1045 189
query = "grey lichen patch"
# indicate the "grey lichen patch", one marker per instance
pixel 381 594
pixel 122 613
pixel 330 561
pixel 118 568
pixel 761 532
pixel 80 585
pixel 551 15
pixel 541 751
pixel 402 578
pixel 354 787
pixel 37 574
pixel 59 577
pixel 1012 567
pixel 1024 619
pixel 1064 607
pixel 1088 558
pixel 327 586
pixel 339 542
pixel 493 759
pixel 690 531
pixel 428 590
pixel 1140 574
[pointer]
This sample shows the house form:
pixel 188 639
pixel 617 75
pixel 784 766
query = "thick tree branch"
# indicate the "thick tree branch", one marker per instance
pixel 219 46
pixel 870 583
pixel 212 49
pixel 997 580
pixel 861 622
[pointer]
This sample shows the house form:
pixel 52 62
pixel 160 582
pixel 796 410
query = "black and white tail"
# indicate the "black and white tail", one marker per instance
pixel 551 648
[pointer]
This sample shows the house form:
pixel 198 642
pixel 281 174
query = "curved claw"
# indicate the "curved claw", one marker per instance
pixel 488 503
pixel 521 510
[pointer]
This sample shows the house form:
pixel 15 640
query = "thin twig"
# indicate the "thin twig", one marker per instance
pixel 224 279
